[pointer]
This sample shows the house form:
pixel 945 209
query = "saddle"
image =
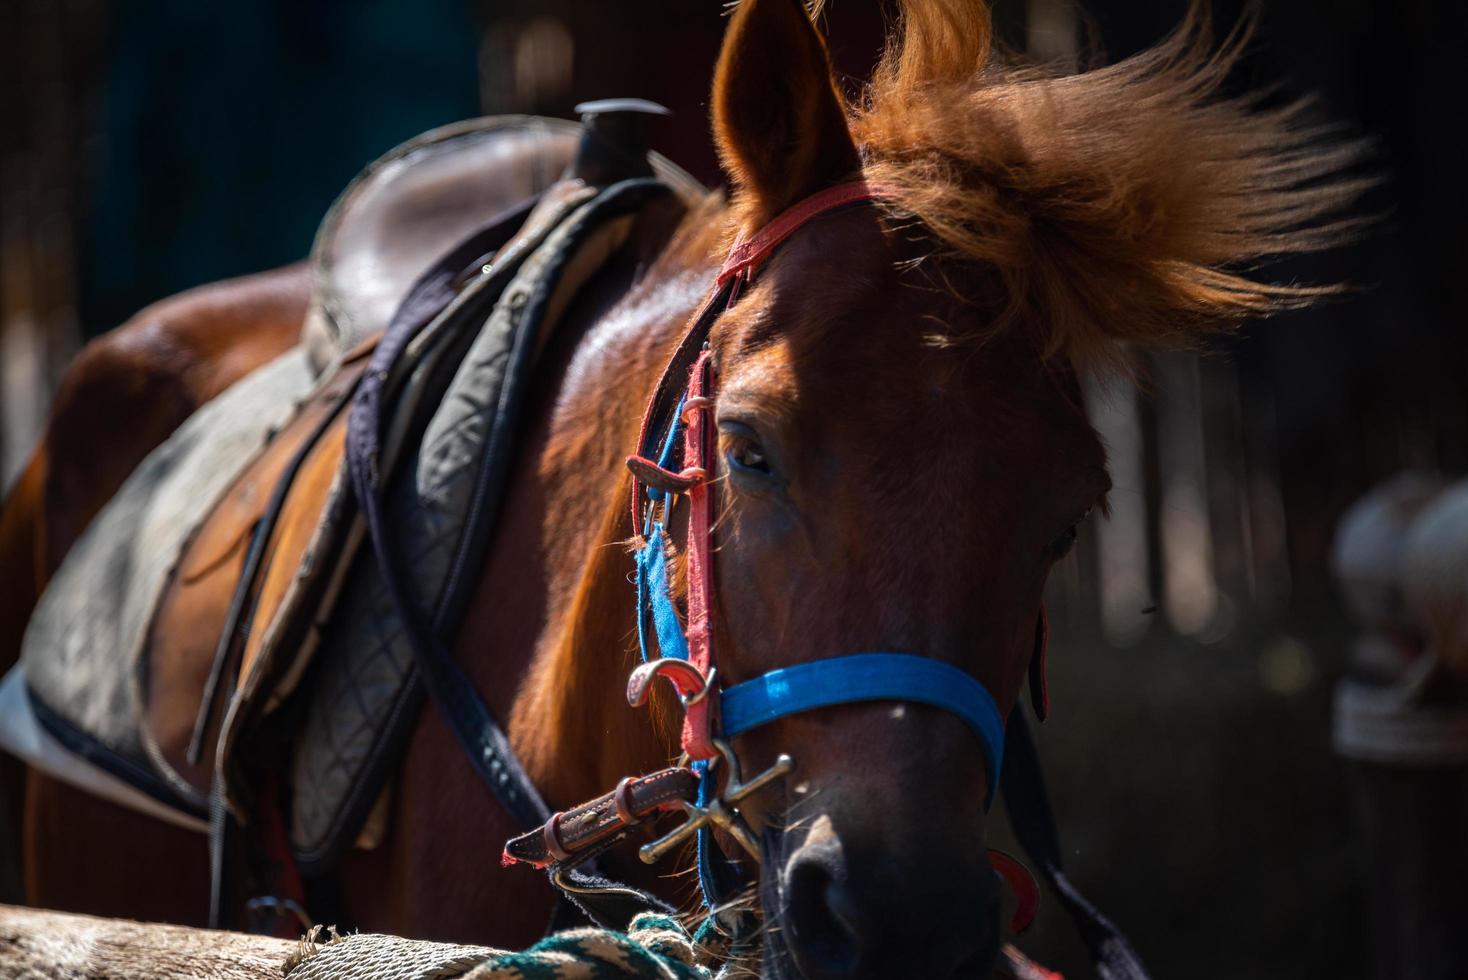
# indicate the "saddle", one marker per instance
pixel 261 630
pixel 411 206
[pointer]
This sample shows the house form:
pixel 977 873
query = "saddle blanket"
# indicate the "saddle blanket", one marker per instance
pixel 84 647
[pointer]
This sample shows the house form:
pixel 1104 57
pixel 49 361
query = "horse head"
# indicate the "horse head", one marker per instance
pixel 902 450
pixel 899 450
pixel 893 475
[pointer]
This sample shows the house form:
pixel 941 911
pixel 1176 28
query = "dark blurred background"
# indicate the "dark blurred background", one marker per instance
pixel 156 145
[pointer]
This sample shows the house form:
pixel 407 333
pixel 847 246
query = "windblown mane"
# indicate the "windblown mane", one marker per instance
pixel 1122 205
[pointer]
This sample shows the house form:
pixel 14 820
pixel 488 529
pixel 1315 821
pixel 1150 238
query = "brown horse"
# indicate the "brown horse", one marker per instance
pixel 902 456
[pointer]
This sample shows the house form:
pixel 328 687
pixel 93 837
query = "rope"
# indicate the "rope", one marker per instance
pixel 655 947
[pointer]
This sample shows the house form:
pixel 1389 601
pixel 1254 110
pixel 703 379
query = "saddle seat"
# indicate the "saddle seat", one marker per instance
pixel 412 205
pixel 259 620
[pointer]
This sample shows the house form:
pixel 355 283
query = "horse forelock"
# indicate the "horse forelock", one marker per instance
pixel 1116 207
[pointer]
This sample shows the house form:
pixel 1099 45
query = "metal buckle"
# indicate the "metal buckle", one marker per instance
pixel 694 403
pixel 690 683
pixel 723 811
pixel 689 700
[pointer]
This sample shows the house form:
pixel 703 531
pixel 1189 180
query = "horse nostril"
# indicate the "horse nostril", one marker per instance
pixel 824 943
pixel 853 920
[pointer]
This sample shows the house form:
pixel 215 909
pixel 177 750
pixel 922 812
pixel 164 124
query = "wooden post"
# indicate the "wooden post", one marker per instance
pixel 41 944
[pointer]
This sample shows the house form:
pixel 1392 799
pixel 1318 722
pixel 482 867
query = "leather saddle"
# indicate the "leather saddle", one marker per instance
pixel 410 207
pixel 262 632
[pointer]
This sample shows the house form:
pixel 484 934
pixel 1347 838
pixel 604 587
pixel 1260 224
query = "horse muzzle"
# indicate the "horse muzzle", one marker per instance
pixel 841 909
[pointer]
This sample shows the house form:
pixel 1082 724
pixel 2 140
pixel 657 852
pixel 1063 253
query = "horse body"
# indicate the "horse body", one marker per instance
pixel 902 454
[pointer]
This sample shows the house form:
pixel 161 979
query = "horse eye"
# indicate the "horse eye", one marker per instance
pixel 746 454
pixel 1061 546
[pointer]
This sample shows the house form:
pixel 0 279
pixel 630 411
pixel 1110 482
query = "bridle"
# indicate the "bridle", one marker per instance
pixel 675 458
pixel 687 655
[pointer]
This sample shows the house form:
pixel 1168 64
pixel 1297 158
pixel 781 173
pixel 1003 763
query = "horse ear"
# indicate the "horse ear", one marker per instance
pixel 778 121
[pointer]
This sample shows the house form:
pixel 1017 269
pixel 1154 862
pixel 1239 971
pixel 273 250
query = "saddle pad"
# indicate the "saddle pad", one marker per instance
pixel 364 700
pixel 23 737
pixel 308 548
pixel 85 639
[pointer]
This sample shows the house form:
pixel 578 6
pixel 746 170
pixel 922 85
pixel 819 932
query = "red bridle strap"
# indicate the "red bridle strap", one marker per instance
pixel 695 393
pixel 744 259
pixel 699 725
pixel 749 253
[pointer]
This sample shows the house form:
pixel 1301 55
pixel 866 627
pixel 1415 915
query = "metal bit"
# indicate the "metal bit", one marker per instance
pixel 722 812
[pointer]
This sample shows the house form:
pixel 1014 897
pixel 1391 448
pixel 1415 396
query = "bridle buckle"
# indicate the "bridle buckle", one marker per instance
pixel 722 812
pixel 690 683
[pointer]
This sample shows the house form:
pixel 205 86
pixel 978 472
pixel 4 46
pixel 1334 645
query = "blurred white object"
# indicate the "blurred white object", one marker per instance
pixel 1401 561
pixel 1435 577
pixel 1367 558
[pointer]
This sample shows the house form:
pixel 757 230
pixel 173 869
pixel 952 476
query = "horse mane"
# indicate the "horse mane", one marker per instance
pixel 1118 207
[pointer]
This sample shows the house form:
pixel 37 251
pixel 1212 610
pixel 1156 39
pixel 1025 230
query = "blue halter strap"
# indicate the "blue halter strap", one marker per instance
pixel 868 677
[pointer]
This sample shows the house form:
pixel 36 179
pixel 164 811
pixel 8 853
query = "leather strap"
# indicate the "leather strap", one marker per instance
pixel 660 419
pixel 1028 803
pixel 749 254
pixel 567 834
pixel 232 633
pixel 700 721
pixel 1039 678
pixel 477 731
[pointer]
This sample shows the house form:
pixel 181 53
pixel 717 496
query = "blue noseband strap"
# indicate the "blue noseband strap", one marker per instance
pixel 868 677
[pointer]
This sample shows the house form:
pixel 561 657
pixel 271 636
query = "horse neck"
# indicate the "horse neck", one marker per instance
pixel 571 724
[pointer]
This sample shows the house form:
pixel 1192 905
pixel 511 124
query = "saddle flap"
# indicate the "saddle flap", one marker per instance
pixel 438 507
pixel 184 637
